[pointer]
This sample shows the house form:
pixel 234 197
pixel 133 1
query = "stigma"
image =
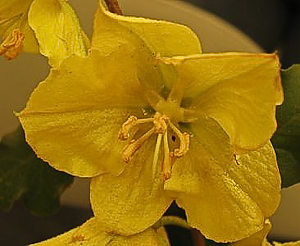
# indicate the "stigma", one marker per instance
pixel 161 124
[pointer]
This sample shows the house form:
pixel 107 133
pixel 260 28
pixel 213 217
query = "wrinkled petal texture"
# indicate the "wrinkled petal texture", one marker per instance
pixel 238 90
pixel 57 29
pixel 72 119
pixel 225 196
pixel 257 174
pixel 91 233
pixel 133 201
pixel 148 38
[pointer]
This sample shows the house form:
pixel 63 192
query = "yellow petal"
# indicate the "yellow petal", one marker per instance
pixel 222 216
pixel 239 90
pixel 209 143
pixel 213 202
pixel 225 199
pixel 92 233
pixel 57 29
pixel 257 174
pixel 166 38
pixel 222 211
pixel 134 200
pixel 72 119
pixel 258 239
pixel 30 42
pixel 89 233
pixel 146 238
pixel 145 38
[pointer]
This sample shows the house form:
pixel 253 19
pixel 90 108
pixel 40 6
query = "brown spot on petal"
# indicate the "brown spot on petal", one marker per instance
pixel 77 238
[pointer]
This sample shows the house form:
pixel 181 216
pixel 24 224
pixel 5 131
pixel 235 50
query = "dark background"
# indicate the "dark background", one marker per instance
pixel 273 24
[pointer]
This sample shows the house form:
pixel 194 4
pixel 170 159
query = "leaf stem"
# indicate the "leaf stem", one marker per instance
pixel 113 6
pixel 171 220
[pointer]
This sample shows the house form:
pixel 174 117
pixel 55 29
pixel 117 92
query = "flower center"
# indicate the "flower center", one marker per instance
pixel 160 127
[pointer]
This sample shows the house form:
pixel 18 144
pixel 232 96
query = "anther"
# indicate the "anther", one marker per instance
pixel 12 45
pixel 184 145
pixel 129 124
pixel 134 145
pixel 184 141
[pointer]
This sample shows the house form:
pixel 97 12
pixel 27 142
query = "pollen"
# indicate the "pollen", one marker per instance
pixel 161 123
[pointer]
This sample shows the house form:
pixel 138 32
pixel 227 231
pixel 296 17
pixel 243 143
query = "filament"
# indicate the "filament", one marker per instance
pixel 134 145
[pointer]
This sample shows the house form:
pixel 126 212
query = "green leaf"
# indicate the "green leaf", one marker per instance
pixel 24 176
pixel 287 137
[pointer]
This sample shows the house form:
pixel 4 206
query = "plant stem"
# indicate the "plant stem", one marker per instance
pixel 113 6
pixel 171 220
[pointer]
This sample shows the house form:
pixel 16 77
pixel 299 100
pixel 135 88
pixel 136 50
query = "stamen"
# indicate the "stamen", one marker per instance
pixel 160 127
pixel 12 45
pixel 129 124
pixel 184 141
pixel 166 168
pixel 134 145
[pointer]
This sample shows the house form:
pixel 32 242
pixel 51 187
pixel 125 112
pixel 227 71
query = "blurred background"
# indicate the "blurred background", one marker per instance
pixel 269 25
pixel 273 24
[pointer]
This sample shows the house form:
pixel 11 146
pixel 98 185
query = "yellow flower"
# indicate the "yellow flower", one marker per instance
pixel 91 233
pixel 260 239
pixel 153 120
pixel 48 25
